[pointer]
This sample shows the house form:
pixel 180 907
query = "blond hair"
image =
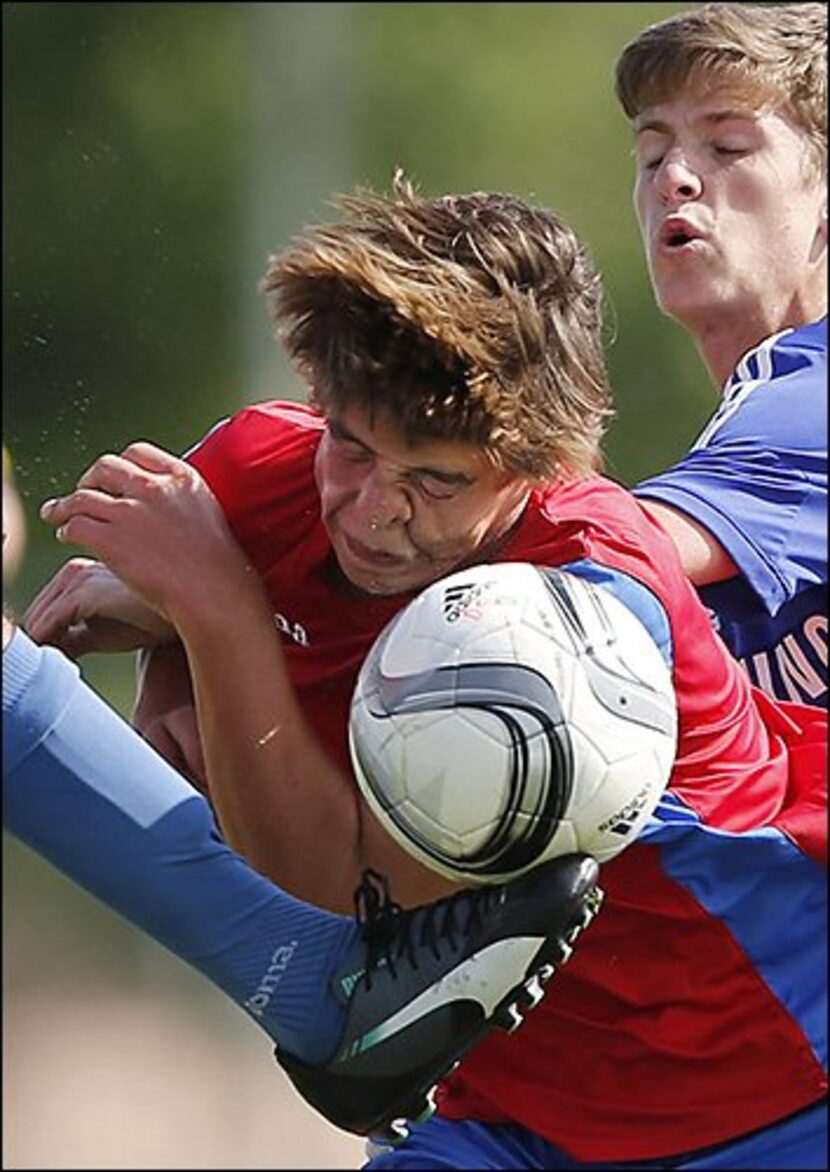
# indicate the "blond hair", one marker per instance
pixel 474 317
pixel 772 53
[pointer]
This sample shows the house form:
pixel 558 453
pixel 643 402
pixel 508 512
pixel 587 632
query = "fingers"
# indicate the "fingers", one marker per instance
pixel 119 473
pixel 55 620
pixel 84 503
pixel 86 607
pixel 112 477
pixel 154 459
pixel 149 516
pixel 79 528
pixel 54 608
pixel 75 641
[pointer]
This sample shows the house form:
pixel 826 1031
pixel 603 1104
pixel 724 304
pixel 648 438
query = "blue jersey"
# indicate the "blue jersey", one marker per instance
pixel 756 478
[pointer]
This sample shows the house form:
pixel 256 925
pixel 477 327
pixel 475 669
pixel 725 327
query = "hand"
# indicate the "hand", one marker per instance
pixel 156 524
pixel 85 607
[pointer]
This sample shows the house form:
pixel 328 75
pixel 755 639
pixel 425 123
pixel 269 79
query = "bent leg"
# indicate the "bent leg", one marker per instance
pixel 86 792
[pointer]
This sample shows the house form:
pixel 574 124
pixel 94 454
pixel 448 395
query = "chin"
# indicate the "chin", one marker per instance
pixel 379 585
pixel 689 297
pixel 685 309
pixel 388 586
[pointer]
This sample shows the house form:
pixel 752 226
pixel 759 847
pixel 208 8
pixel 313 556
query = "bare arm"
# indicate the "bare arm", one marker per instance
pixel 704 558
pixel 279 798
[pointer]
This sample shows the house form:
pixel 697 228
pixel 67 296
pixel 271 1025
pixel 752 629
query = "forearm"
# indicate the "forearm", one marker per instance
pixel 280 800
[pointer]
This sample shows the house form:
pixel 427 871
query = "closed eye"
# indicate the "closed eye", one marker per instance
pixel 730 152
pixel 437 488
pixel 347 445
pixel 350 450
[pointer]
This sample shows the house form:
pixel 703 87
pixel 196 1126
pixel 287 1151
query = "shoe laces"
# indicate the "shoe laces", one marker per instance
pixel 393 934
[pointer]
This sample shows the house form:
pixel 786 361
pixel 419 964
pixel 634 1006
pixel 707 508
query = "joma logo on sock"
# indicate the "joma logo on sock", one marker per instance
pixel 280 961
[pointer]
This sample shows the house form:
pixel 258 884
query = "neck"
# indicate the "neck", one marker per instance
pixel 723 339
pixel 491 551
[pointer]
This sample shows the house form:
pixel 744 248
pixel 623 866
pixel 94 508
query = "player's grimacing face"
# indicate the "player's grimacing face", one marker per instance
pixel 400 516
pixel 733 217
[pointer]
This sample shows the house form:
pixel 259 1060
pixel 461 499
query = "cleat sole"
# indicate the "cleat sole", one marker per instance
pixel 507 1016
pixel 391 1125
pixel 532 993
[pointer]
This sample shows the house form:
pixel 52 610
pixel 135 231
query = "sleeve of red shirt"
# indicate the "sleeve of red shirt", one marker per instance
pixel 803 815
pixel 217 454
pixel 253 457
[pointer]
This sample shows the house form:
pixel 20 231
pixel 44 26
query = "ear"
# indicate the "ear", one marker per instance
pixel 820 240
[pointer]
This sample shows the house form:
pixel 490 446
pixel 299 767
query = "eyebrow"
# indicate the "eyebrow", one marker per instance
pixel 339 431
pixel 715 118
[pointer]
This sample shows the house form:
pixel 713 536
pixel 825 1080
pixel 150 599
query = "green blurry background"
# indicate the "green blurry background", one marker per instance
pixel 155 154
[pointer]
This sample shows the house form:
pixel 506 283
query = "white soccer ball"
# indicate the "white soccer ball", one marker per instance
pixel 511 714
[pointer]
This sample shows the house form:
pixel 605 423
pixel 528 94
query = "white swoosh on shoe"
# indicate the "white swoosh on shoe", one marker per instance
pixel 485 977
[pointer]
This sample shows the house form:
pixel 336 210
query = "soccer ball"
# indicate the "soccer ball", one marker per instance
pixel 511 714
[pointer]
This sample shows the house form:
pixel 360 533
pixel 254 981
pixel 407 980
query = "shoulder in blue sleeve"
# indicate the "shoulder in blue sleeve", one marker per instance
pixel 756 478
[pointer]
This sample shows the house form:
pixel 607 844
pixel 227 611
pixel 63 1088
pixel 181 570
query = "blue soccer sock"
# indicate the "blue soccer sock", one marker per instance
pixel 86 792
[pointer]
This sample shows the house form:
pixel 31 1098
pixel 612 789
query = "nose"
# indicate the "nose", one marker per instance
pixel 383 502
pixel 677 181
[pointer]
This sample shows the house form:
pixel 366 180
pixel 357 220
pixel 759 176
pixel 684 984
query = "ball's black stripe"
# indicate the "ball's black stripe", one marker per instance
pixel 497 688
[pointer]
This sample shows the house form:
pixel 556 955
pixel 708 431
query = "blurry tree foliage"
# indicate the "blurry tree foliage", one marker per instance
pixel 144 143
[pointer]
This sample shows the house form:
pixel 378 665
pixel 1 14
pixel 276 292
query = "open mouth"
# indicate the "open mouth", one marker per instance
pixel 677 235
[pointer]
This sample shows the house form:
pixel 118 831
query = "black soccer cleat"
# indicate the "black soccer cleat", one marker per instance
pixel 424 986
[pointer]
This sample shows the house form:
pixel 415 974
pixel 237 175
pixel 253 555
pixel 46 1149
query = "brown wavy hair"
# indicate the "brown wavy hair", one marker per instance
pixel 474 317
pixel 773 53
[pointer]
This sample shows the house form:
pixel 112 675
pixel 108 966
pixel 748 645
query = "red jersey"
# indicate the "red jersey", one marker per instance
pixel 690 1013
